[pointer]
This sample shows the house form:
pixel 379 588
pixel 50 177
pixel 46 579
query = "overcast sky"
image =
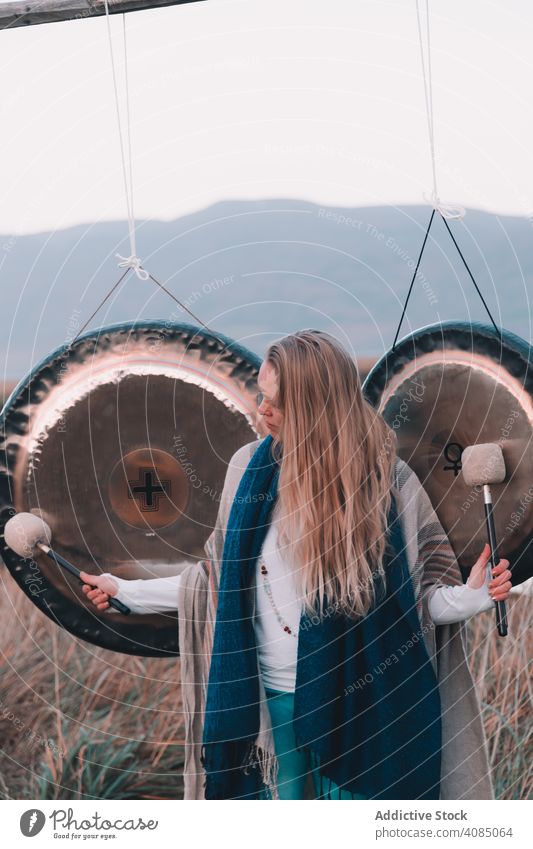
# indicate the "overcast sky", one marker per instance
pixel 267 98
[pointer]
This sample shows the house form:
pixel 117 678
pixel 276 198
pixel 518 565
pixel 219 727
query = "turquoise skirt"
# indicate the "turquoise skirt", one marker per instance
pixel 294 765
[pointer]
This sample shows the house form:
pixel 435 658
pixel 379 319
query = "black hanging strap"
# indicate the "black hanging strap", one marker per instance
pixel 164 289
pixel 414 277
pixel 498 331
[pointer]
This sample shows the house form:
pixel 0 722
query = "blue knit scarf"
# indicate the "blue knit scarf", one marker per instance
pixel 367 704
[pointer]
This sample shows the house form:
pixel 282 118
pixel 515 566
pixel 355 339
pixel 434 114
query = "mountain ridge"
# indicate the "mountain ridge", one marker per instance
pixel 258 269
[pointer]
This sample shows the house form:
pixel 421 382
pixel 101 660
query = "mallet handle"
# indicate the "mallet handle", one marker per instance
pixel 501 611
pixel 60 561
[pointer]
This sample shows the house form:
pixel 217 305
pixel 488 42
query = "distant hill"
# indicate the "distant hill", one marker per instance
pixel 256 270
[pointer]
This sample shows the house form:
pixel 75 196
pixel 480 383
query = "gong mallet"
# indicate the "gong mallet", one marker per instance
pixel 25 533
pixel 483 465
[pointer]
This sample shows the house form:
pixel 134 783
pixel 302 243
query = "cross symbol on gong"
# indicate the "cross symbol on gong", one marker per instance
pixel 148 491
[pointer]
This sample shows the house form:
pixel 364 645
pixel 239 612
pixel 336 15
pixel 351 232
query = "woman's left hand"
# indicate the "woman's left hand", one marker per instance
pixel 500 583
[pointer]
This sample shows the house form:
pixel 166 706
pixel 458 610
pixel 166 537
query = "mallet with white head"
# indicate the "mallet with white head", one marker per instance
pixel 26 533
pixel 483 465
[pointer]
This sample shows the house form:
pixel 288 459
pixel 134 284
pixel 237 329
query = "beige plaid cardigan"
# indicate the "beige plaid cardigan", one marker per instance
pixel 465 772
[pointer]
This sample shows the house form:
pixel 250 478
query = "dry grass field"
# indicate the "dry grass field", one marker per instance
pixel 80 722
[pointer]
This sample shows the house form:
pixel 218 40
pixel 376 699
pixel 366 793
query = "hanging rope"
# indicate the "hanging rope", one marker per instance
pixel 132 261
pixel 446 210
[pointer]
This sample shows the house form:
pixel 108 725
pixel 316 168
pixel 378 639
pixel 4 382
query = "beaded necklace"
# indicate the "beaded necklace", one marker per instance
pixel 268 589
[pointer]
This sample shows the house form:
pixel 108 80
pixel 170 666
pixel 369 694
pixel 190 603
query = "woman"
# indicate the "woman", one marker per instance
pixel 311 664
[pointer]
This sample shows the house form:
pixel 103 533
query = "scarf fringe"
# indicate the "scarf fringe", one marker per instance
pixel 268 765
pixel 217 761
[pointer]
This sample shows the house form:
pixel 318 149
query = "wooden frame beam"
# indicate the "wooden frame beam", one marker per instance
pixel 26 13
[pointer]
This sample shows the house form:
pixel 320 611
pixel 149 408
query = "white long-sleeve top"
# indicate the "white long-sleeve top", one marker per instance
pixel 276 649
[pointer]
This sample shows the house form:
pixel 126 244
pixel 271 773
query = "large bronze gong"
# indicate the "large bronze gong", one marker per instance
pixel 121 443
pixel 451 385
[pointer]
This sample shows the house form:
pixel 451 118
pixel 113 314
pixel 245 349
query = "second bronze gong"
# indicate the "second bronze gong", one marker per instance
pixel 451 385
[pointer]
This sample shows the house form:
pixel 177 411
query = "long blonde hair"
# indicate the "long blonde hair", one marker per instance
pixel 336 473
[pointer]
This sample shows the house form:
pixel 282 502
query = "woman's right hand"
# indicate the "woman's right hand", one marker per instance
pixel 98 588
pixel 499 584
